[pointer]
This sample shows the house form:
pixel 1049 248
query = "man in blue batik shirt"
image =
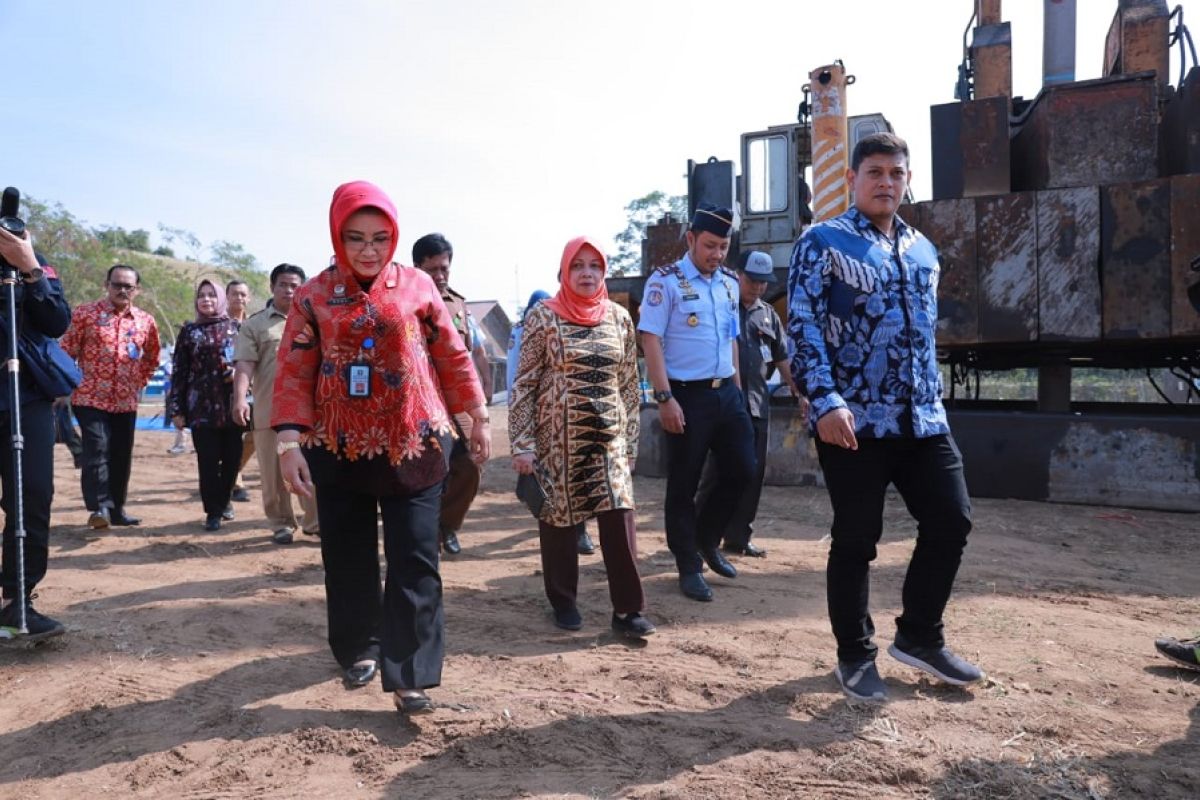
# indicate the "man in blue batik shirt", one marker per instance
pixel 862 316
pixel 689 325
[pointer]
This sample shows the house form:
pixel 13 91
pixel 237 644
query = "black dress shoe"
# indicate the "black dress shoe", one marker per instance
pixel 583 543
pixel 361 674
pixel 568 619
pixel 119 517
pixel 413 703
pixel 718 563
pixel 228 512
pixel 212 522
pixel 695 587
pixel 450 543
pixel 634 626
pixel 240 496
pixel 98 520
pixel 747 549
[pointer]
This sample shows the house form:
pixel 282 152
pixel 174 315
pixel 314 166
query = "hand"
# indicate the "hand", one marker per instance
pixel 837 428
pixel 523 463
pixel 178 421
pixel 671 416
pixel 802 405
pixel 481 441
pixel 241 412
pixel 296 477
pixel 18 252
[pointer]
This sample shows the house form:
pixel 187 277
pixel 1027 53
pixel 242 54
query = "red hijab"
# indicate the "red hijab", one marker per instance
pixel 569 304
pixel 348 199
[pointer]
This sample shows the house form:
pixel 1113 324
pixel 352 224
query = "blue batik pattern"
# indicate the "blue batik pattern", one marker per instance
pixel 862 316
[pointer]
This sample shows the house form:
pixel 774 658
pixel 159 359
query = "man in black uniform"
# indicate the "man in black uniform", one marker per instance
pixel 44 314
pixel 762 349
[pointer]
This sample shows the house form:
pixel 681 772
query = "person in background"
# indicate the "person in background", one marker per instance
pixel 432 254
pixel 574 423
pixel 116 346
pixel 237 292
pixel 762 349
pixel 370 372
pixel 862 317
pixel 583 542
pixel 254 356
pixel 202 395
pixel 689 326
pixel 45 315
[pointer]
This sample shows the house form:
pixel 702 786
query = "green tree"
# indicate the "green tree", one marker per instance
pixel 232 256
pixel 181 237
pixel 641 213
pixel 120 239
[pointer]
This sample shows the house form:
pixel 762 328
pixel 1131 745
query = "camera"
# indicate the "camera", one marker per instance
pixel 14 225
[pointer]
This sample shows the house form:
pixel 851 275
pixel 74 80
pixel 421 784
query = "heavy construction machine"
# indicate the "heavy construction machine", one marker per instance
pixel 1069 232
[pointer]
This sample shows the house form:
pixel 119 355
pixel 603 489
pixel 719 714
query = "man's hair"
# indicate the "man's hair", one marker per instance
pixel 137 276
pixel 878 144
pixel 430 245
pixel 287 269
pixel 235 282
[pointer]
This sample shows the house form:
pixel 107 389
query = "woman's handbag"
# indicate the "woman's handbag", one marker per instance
pixel 530 492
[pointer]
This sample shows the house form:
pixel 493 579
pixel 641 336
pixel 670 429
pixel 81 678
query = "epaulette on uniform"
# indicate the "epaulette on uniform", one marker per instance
pixel 728 272
pixel 670 269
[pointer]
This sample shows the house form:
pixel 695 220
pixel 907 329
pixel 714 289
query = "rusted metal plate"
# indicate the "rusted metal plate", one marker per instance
pixel 1068 248
pixel 1008 284
pixel 1089 132
pixel 988 11
pixel 913 214
pixel 1137 39
pixel 1185 255
pixel 1181 128
pixel 950 225
pixel 1135 259
pixel 664 244
pixel 991 53
pixel 970 148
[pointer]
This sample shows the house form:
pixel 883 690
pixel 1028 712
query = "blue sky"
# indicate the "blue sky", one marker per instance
pixel 510 127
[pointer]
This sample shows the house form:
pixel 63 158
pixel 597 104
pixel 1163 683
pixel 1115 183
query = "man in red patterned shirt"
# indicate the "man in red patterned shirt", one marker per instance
pixel 116 346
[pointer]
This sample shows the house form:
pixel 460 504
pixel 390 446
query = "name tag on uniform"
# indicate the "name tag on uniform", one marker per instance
pixel 766 353
pixel 359 381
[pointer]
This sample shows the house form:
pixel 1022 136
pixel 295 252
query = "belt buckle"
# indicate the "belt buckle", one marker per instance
pixel 716 383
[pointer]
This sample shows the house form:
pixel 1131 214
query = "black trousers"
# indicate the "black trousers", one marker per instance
pixel 404 627
pixel 107 456
pixel 715 420
pixel 218 456
pixel 64 431
pixel 37 427
pixel 741 525
pixel 928 473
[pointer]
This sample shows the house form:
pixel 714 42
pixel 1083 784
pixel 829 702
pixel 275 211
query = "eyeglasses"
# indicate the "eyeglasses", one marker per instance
pixel 123 287
pixel 380 243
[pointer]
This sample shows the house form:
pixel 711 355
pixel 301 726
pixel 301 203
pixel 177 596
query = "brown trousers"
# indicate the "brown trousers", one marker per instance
pixel 277 500
pixel 460 487
pixel 618 543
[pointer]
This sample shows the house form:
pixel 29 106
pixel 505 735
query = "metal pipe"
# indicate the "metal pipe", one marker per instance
pixel 1058 42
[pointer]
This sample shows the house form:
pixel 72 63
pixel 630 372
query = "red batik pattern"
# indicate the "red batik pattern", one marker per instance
pixel 420 371
pixel 100 340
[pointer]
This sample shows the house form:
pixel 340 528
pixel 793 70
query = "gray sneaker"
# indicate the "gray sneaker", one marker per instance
pixel 861 681
pixel 938 662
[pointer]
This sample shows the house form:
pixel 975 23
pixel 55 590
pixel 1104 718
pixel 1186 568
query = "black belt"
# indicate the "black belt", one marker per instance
pixel 704 383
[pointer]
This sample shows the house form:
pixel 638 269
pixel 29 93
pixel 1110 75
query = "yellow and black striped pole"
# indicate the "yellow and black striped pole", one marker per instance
pixel 831 194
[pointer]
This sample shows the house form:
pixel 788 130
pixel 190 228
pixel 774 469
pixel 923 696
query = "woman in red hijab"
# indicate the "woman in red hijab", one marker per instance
pixel 201 397
pixel 370 372
pixel 573 420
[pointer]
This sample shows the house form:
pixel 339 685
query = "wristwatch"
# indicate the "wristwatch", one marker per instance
pixel 283 447
pixel 663 396
pixel 34 275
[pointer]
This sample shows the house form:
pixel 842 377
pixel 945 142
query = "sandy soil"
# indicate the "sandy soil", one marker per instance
pixel 196 665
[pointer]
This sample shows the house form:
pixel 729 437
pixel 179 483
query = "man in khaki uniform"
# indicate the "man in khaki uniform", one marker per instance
pixel 433 254
pixel 254 357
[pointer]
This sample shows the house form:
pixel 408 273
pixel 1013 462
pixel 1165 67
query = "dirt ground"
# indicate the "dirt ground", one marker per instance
pixel 196 666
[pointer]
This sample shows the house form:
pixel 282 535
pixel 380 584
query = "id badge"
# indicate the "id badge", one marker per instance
pixel 360 380
pixel 766 353
pixel 134 352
